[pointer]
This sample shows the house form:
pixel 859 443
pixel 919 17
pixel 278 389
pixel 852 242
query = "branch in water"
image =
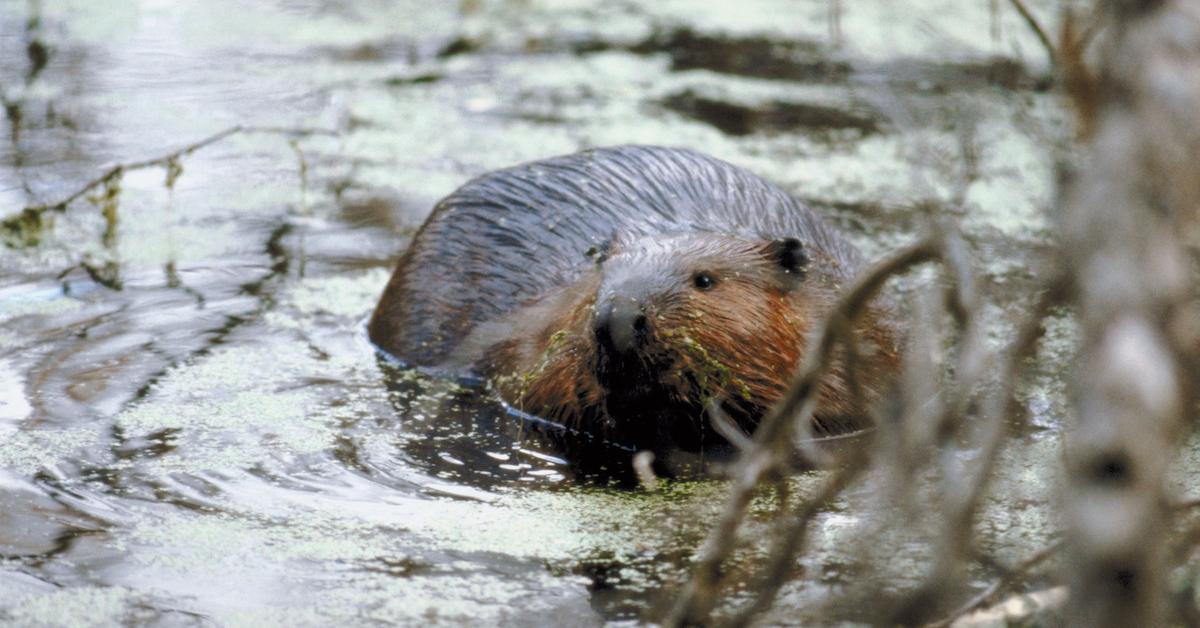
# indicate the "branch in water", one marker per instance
pixel 30 216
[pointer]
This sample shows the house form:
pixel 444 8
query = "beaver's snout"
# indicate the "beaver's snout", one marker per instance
pixel 620 325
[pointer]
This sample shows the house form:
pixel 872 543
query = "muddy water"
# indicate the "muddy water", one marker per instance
pixel 215 442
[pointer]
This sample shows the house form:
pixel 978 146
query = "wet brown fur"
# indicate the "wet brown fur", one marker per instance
pixel 737 343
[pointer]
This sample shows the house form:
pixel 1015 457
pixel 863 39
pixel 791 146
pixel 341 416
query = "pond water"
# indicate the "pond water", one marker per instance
pixel 193 426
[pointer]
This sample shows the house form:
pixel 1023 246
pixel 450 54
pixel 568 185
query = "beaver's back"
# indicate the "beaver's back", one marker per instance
pixel 512 235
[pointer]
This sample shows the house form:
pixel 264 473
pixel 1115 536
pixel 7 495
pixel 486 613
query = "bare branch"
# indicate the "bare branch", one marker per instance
pixel 642 466
pixel 1000 585
pixel 1037 29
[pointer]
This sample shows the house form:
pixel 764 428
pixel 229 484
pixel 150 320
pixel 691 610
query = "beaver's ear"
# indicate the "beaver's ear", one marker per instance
pixel 789 253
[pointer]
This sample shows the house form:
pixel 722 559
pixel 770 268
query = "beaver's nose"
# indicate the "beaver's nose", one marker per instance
pixel 620 324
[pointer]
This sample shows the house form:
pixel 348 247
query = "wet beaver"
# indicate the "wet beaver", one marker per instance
pixel 621 290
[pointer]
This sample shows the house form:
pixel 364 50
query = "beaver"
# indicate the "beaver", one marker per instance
pixel 623 291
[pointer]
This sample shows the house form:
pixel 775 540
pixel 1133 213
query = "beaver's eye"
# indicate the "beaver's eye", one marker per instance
pixel 703 281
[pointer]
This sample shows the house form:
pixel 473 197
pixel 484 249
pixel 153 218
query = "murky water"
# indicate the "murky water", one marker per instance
pixel 216 442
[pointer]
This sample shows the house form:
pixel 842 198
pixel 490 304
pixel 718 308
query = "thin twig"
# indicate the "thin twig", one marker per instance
pixel 994 19
pixel 1002 405
pixel 834 16
pixel 643 462
pixel 1037 29
pixel 1002 583
pixel 1080 83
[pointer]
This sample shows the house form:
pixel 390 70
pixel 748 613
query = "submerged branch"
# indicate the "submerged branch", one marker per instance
pixel 32 214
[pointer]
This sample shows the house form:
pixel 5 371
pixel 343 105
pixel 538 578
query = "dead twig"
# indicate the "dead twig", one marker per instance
pixel 1080 83
pixel 1037 29
pixel 1002 405
pixel 643 462
pixel 726 427
pixel 1000 585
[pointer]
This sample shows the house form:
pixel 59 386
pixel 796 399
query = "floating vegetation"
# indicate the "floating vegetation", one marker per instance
pixel 107 202
pixel 174 171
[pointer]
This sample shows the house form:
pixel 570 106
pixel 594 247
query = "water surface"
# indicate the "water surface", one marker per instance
pixel 215 442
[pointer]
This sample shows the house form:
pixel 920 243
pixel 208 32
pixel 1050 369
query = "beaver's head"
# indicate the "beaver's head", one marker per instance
pixel 669 324
pixel 683 320
pixel 657 289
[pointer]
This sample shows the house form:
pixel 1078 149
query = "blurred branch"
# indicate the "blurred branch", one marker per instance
pixel 1025 609
pixel 726 427
pixel 1008 580
pixel 1079 82
pixel 1123 214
